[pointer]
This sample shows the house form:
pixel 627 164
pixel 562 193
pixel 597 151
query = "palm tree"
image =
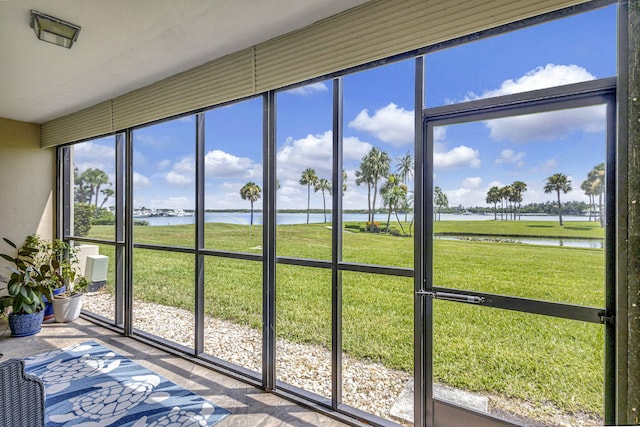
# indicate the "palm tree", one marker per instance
pixel 308 178
pixel 596 177
pixel 440 199
pixel 323 185
pixel 518 187
pixel 251 192
pixel 558 182
pixel 493 196
pixel 375 165
pixel 505 196
pixel 398 199
pixel 405 170
pixel 387 197
pixel 94 178
pixel 587 187
pixel 364 177
pixel 107 192
pixel 344 181
pixel 87 185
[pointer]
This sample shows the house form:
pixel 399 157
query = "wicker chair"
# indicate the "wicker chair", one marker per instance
pixel 22 396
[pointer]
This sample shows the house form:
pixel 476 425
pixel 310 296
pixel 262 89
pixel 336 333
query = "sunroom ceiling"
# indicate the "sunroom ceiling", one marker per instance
pixel 125 45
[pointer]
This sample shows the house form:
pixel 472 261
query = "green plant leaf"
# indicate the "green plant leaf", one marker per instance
pixel 10 243
pixel 14 289
pixel 8 258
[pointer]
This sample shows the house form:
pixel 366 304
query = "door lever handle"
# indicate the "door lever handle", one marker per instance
pixel 450 296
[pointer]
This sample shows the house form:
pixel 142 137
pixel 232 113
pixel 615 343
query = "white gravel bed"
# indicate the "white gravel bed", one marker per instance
pixel 370 387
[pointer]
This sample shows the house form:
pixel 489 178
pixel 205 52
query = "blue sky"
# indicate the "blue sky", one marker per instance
pixel 378 112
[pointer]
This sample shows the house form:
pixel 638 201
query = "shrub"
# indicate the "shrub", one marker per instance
pixel 103 217
pixel 373 227
pixel 83 214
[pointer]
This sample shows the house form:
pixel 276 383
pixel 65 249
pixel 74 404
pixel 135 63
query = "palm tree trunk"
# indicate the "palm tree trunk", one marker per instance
pixel 308 201
pixel 370 218
pixel 324 207
pixel 251 221
pixel 600 209
pixel 495 211
pixel 373 205
pixel 97 194
pixel 388 218
pixel 559 209
pixel 399 223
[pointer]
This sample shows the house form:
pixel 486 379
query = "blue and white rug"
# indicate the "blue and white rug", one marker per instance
pixel 88 385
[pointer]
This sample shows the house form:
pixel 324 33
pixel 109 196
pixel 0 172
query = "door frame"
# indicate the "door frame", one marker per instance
pixel 429 411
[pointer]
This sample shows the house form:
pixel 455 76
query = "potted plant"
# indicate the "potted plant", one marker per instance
pixel 64 280
pixel 67 305
pixel 52 253
pixel 29 282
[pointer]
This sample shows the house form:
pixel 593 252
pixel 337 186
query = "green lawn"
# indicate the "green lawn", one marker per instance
pixel 526 356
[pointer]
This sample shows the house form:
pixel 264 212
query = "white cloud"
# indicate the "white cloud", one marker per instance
pixel 544 126
pixel 539 78
pixel 472 182
pixel 312 151
pixel 88 155
pixel 315 151
pixel 439 134
pixel 163 164
pixel 309 89
pixel 186 165
pixel 219 164
pixel 456 157
pixel 389 124
pixel 545 167
pixel 140 181
pixel 510 156
pixel 231 186
pixel 547 126
pixel 177 178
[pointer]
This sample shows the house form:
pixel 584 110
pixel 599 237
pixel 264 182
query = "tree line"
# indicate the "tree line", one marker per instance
pixel 374 168
pixel 510 196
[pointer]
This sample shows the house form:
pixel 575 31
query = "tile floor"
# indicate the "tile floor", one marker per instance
pixel 249 406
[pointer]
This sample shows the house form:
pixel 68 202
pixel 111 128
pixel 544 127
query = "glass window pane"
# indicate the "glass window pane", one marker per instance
pixel 304 171
pixel 531 369
pixel 378 162
pixel 303 328
pixel 378 344
pixel 233 311
pixel 498 227
pixel 233 177
pixel 93 188
pixel 568 50
pixel 164 295
pixel 164 183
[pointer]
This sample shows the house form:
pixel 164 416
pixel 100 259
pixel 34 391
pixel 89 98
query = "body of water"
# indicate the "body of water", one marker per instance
pixel 545 241
pixel 318 218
